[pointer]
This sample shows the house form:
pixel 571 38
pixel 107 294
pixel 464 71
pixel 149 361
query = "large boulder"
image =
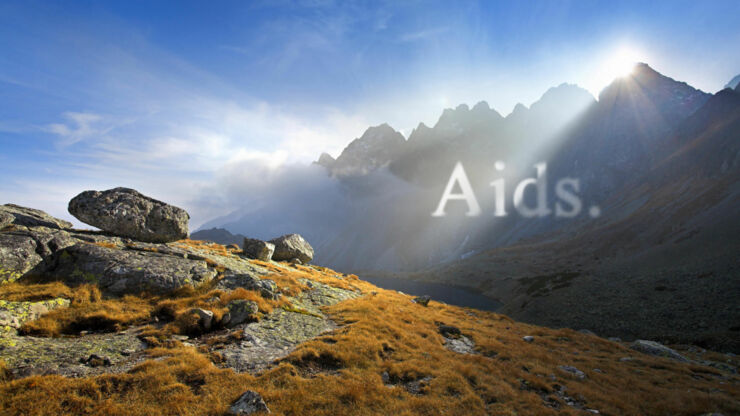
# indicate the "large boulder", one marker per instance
pixel 127 213
pixel 292 246
pixel 258 249
pixel 29 217
pixel 120 272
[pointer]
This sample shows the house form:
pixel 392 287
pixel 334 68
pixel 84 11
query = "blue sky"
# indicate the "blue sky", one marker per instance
pixel 171 97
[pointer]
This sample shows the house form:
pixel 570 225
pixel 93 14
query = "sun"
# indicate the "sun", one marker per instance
pixel 618 63
pixel 622 62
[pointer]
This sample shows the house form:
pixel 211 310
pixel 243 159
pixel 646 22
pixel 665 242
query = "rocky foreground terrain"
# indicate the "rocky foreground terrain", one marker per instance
pixel 136 319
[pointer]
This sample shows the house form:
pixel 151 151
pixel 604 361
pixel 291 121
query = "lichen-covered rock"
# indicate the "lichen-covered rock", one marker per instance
pixel 232 280
pixel 29 250
pixel 278 333
pixel 248 403
pixel 657 349
pixel 120 272
pixel 14 314
pixel 30 217
pixel 292 246
pixel 27 355
pixel 5 219
pixel 240 311
pixel 258 249
pixel 127 213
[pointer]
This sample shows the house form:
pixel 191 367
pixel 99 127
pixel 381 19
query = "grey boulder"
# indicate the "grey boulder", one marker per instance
pixel 657 349
pixel 292 246
pixel 248 403
pixel 29 217
pixel 127 213
pixel 258 249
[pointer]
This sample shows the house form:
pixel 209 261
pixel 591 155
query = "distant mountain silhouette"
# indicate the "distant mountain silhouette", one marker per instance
pixel 218 235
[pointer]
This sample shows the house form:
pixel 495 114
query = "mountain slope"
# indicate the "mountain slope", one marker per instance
pixel 374 352
pixel 662 259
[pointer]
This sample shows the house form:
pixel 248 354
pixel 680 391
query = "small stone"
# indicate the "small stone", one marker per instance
pixel 95 360
pixel 422 300
pixel 528 338
pixel 449 331
pixel 572 370
pixel 385 377
pixel 248 403
pixel 205 318
pixel 615 339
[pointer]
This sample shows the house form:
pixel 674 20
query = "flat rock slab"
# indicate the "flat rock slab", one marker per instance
pixel 119 272
pixel 27 356
pixel 29 217
pixel 281 331
pixel 127 213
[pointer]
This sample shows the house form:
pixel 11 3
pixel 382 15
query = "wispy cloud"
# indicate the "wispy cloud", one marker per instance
pixel 422 35
pixel 78 127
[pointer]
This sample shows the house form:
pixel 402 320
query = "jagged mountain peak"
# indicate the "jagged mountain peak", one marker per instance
pixel 377 146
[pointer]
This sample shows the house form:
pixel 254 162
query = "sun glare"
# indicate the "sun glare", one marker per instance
pixel 617 64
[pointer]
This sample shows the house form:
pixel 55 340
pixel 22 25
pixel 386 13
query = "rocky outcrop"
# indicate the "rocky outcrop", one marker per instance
pixel 29 217
pixel 657 349
pixel 127 213
pixel 292 246
pixel 258 249
pixel 119 272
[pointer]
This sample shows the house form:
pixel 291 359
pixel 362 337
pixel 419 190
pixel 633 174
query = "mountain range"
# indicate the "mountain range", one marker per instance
pixel 657 158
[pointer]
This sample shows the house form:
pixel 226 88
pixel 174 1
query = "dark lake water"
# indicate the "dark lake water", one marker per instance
pixel 452 295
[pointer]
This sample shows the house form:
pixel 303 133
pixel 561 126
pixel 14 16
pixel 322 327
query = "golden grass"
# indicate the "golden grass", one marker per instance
pixel 35 292
pixel 207 246
pixel 106 244
pixel 340 373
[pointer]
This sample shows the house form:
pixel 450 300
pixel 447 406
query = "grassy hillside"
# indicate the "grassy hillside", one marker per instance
pixel 387 355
